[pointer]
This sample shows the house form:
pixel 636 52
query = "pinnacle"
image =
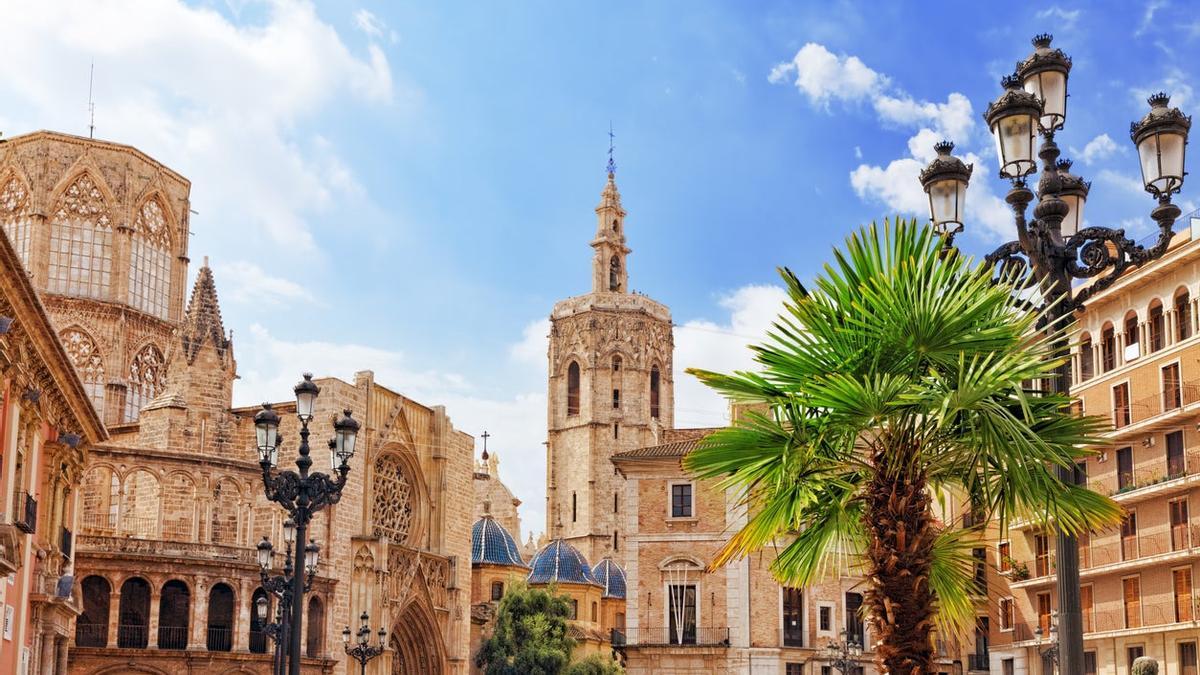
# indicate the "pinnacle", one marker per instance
pixel 203 317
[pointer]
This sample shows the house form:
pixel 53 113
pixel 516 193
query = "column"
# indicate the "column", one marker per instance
pixel 241 619
pixel 152 624
pixel 47 661
pixel 198 622
pixel 114 618
pixel 63 651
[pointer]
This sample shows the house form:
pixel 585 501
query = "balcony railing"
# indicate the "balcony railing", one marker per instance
pixel 132 636
pixel 665 637
pixel 172 637
pixel 67 540
pixel 103 524
pixel 25 512
pixel 1153 615
pixel 258 642
pixel 1165 401
pixel 220 638
pixel 978 662
pixel 91 634
pixel 1119 483
pixel 1183 538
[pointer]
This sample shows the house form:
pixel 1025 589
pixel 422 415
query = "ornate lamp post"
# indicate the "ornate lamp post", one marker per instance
pixel 1049 653
pixel 844 654
pixel 1054 248
pixel 362 651
pixel 281 586
pixel 301 493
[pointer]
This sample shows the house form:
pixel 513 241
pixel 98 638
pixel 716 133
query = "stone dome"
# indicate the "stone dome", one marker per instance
pixel 560 562
pixel 491 543
pixel 610 575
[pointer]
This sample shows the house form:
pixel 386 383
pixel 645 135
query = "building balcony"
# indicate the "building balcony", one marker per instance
pixel 1140 619
pixel 1148 482
pixel 1164 409
pixel 1161 548
pixel 665 637
pixel 25 512
pixel 979 662
pixel 91 544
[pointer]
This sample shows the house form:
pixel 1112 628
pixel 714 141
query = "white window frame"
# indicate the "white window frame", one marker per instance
pixel 1000 614
pixel 666 613
pixel 671 501
pixel 832 607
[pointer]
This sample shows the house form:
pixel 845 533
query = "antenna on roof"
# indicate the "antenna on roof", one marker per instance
pixel 92 102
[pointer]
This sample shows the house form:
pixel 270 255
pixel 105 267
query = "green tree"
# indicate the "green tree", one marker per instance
pixel 596 664
pixel 898 380
pixel 529 635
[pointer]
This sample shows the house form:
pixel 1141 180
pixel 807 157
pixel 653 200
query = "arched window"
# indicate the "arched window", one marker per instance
pixel 1086 365
pixel 392 509
pixel 614 274
pixel 655 385
pixel 140 502
pixel 134 614
pixel 81 241
pixel 91 628
pixel 258 639
pixel 15 215
pixel 85 356
pixel 595 612
pixel 682 577
pixel 497 590
pixel 616 363
pixel 615 225
pixel 220 618
pixel 147 376
pixel 174 608
pixel 573 389
pixel 1131 335
pixel 315 628
pixel 1108 348
pixel 1157 327
pixel 227 508
pixel 179 493
pixel 101 497
pixel 1183 314
pixel 150 260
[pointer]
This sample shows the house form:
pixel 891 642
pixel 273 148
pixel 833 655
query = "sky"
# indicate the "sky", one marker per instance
pixel 408 187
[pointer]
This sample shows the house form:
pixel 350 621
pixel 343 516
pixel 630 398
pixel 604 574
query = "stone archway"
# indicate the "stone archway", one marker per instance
pixel 416 643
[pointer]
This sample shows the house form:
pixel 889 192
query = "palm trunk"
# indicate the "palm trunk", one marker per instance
pixel 899 558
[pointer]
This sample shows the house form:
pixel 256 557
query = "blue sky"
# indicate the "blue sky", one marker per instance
pixel 408 187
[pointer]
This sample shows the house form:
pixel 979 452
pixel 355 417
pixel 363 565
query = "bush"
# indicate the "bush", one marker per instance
pixel 529 636
pixel 596 664
pixel 1144 665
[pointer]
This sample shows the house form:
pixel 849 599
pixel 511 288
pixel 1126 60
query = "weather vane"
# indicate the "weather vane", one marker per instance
pixel 612 165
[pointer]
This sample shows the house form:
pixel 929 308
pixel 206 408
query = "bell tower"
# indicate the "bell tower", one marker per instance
pixel 610 389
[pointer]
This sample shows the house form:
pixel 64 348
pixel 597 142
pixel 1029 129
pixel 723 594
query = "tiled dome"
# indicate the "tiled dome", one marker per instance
pixel 558 561
pixel 491 543
pixel 610 575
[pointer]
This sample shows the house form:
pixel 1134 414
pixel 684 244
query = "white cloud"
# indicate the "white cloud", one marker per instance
pixel 1152 7
pixel 372 26
pixel 1100 147
pixel 243 281
pixel 1176 83
pixel 823 76
pixel 953 119
pixel 1122 181
pixel 1067 18
pixel 533 346
pixel 223 103
pixel 720 346
pixel 857 152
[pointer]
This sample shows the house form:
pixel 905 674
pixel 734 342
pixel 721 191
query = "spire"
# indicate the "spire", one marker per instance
pixel 608 265
pixel 203 317
pixel 612 165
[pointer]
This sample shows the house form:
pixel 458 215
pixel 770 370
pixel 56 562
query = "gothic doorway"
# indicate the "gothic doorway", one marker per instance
pixel 417 644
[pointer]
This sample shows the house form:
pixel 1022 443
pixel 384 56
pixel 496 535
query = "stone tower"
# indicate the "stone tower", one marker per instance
pixel 610 389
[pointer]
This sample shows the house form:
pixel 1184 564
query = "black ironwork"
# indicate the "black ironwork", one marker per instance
pixel 1047 259
pixel 25 512
pixel 362 649
pixel 301 493
pixel 844 654
pixel 280 586
pixel 66 543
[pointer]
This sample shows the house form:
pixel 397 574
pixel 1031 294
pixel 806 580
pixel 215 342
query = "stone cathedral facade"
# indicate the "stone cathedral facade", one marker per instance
pixel 171 505
pixel 610 390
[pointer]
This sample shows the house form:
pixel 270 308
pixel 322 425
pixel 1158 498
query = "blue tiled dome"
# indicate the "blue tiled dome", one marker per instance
pixel 558 561
pixel 491 543
pixel 610 575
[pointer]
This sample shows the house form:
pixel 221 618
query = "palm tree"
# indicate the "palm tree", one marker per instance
pixel 902 378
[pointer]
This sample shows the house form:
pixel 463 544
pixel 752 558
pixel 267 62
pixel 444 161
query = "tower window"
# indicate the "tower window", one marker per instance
pixel 654 387
pixel 573 389
pixel 616 543
pixel 614 502
pixel 616 363
pixel 616 227
pixel 616 398
pixel 616 430
pixel 497 590
pixel 614 274
pixel 574 507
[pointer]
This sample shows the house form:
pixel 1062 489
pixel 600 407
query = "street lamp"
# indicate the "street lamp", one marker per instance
pixel 1049 653
pixel 844 654
pixel 363 651
pixel 301 493
pixel 282 587
pixel 1054 248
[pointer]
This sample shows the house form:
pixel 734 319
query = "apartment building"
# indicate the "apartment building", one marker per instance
pixel 1136 361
